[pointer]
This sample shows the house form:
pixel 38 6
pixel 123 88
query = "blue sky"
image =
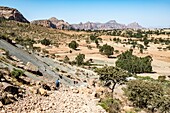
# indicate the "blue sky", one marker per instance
pixel 148 13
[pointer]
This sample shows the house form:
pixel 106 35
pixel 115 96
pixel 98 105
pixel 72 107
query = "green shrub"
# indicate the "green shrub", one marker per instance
pixel 111 105
pixel 17 73
pixel 45 42
pixel 144 94
pixel 93 37
pixel 161 78
pixel 80 59
pixel 73 44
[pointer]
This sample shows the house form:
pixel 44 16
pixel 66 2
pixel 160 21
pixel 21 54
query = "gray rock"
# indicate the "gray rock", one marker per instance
pixel 31 67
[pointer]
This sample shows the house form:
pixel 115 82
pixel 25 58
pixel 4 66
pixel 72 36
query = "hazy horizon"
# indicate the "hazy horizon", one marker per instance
pixel 148 13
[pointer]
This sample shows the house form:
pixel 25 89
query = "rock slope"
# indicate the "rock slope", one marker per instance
pixel 63 101
pixel 12 14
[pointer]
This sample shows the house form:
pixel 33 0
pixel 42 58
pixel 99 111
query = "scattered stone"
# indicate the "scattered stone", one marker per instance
pixel 42 91
pixel 10 95
pixel 75 90
pixel 1 105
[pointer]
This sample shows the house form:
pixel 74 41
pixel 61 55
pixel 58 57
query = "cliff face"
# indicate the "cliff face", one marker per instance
pixel 53 23
pixel 12 14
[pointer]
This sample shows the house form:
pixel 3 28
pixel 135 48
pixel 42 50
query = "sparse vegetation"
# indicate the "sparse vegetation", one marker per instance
pixel 148 94
pixel 111 105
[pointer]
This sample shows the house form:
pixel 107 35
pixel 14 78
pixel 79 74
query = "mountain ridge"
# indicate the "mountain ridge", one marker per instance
pixel 12 14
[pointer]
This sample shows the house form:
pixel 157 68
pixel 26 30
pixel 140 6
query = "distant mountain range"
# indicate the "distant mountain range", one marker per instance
pixel 61 24
pixel 14 14
pixel 112 24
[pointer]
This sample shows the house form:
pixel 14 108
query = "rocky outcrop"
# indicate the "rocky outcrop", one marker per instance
pixel 12 14
pixel 53 23
pixel 134 25
pixel 31 67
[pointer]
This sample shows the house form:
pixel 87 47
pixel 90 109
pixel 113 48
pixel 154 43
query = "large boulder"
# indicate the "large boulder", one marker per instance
pixel 42 91
pixel 31 67
pixel 12 90
pixel 7 98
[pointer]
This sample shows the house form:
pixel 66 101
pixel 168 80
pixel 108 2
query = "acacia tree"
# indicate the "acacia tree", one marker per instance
pixel 80 59
pixel 106 50
pixel 134 64
pixel 73 44
pixel 112 75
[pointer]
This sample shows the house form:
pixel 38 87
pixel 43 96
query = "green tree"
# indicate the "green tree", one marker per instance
pixel 146 42
pixel 80 59
pixel 93 37
pixel 145 94
pixel 106 50
pixel 45 42
pixel 73 44
pixel 97 43
pixel 112 76
pixel 17 73
pixel 134 64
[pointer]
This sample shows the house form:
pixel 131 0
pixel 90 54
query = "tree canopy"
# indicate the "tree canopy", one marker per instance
pixel 106 50
pixel 73 44
pixel 134 64
pixel 112 75
pixel 80 59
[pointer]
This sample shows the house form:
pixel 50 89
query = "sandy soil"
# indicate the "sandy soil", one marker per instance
pixel 161 58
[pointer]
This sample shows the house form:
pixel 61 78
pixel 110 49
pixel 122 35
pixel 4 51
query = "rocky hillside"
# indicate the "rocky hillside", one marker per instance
pixel 112 24
pixel 12 14
pixel 53 23
pixel 21 91
pixel 134 25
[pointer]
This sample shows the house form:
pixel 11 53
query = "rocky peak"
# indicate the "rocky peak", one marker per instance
pixel 112 21
pixel 134 25
pixel 53 23
pixel 53 19
pixel 12 14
